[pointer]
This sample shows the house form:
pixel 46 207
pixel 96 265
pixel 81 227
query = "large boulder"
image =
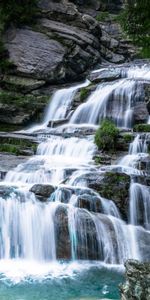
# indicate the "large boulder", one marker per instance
pixel 137 284
pixel 62 237
pixel 33 53
pixel 113 186
pixel 42 191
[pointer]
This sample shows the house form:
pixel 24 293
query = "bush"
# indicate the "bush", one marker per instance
pixel 17 12
pixel 142 128
pixel 106 136
pixel 135 21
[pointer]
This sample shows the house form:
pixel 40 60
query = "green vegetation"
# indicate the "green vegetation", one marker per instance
pixel 18 12
pixel 106 136
pixel 128 138
pixel 23 101
pixel 135 20
pixel 142 128
pixel 102 16
pixel 16 146
pixel 9 148
pixel 84 94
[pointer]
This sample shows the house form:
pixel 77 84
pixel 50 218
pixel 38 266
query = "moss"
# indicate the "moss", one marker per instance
pixel 142 128
pixel 84 94
pixel 9 127
pixel 9 148
pixel 128 138
pixel 21 100
pixel 102 16
pixel 17 147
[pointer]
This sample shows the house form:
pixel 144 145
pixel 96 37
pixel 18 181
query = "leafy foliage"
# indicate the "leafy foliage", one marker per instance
pixel 142 128
pixel 106 136
pixel 135 21
pixel 17 12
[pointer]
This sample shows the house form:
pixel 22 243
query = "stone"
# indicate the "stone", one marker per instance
pixel 9 162
pixel 140 114
pixel 89 202
pixel 137 284
pixel 13 82
pixel 42 191
pixel 112 186
pixel 63 243
pixel 33 53
pixel 107 74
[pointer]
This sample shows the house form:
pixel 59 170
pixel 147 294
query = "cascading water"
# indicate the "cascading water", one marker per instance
pixel 29 227
pixel 113 101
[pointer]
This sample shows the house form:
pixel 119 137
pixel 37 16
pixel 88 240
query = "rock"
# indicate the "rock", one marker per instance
pixel 63 243
pixel 19 109
pixel 9 162
pixel 144 164
pixel 113 186
pixel 137 284
pixel 55 123
pixel 34 54
pixel 108 74
pixel 42 191
pixel 5 191
pixel 140 114
pixel 13 82
pixel 89 202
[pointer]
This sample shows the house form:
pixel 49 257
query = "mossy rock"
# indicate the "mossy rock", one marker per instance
pixel 19 109
pixel 17 145
pixel 21 84
pixel 142 128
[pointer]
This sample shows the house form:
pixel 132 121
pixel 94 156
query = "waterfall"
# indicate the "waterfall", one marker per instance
pixel 112 100
pixel 61 101
pixel 27 228
pixel 138 145
pixel 140 205
pixel 31 229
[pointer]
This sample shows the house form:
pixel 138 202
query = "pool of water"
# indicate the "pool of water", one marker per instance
pixel 74 281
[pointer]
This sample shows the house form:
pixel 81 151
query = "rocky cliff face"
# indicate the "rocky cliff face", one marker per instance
pixel 137 285
pixel 64 44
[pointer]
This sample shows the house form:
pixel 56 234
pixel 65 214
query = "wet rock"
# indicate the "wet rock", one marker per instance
pixel 137 284
pixel 113 186
pixel 42 191
pixel 63 243
pixel 56 123
pixel 5 191
pixel 89 202
pixel 108 74
pixel 140 112
pixel 102 159
pixel 9 161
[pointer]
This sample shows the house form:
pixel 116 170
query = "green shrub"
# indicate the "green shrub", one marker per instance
pixel 128 138
pixel 106 136
pixel 17 12
pixel 135 21
pixel 142 128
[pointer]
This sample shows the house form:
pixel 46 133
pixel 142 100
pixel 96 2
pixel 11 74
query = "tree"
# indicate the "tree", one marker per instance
pixel 17 12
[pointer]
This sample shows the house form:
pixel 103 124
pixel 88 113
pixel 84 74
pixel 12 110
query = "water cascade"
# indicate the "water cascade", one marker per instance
pixel 66 223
